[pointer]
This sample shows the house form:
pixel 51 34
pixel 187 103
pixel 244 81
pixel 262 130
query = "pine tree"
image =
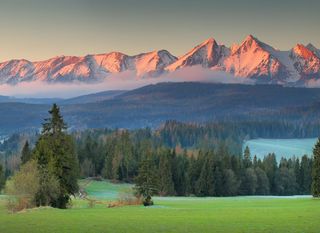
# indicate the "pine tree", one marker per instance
pixel 270 167
pixel 247 157
pixel 205 185
pixel 263 186
pixel 55 124
pixel 55 153
pixel 2 177
pixel 180 166
pixel 305 173
pixel 315 190
pixel 248 182
pixel 26 153
pixel 146 182
pixel 166 185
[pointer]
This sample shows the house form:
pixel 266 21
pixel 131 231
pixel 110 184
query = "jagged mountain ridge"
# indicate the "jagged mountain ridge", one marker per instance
pixel 250 59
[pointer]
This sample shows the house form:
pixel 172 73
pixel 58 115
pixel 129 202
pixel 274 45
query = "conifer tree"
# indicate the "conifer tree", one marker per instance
pixel 305 174
pixel 146 182
pixel 166 185
pixel 55 154
pixel 2 177
pixel 247 157
pixel 315 190
pixel 26 153
pixel 205 185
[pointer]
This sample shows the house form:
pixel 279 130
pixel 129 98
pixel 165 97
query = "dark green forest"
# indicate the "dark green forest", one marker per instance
pixel 187 158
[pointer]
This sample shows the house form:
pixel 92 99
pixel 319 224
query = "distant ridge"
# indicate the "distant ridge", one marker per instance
pixel 152 105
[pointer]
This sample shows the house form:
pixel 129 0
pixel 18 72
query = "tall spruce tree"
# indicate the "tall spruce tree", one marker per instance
pixel 166 185
pixel 55 154
pixel 305 174
pixel 146 182
pixel 270 167
pixel 205 185
pixel 247 162
pixel 2 177
pixel 26 153
pixel 315 190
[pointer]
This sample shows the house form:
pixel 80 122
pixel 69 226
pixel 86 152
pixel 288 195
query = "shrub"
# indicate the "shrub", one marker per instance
pixel 23 187
pixel 125 198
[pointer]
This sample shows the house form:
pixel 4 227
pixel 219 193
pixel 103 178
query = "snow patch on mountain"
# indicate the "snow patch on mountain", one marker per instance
pixel 206 54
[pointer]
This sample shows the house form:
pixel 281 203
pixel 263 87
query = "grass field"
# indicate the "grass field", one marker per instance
pixel 281 147
pixel 103 190
pixel 236 214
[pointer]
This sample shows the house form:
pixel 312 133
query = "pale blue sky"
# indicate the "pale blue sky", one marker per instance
pixel 40 29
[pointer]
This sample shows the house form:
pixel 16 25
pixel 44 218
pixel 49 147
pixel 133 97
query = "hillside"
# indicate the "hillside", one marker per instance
pixel 190 102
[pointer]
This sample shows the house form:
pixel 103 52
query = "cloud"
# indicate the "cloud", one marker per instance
pixel 200 74
pixel 121 81
pixel 313 83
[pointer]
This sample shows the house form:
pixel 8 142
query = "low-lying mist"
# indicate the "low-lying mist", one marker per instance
pixel 121 81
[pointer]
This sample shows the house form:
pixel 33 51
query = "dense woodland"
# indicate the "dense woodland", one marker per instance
pixel 208 172
pixel 187 159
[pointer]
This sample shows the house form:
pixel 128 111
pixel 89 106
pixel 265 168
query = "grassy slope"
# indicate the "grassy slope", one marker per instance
pixel 281 147
pixel 237 214
pixel 103 190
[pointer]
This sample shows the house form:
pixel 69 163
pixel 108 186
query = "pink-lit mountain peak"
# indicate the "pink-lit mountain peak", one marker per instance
pixel 251 58
pixel 207 54
pixel 255 59
pixel 304 51
pixel 252 43
pixel 306 61
pixel 314 49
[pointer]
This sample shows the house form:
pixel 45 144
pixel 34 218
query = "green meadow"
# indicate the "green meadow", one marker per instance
pixel 172 214
pixel 281 147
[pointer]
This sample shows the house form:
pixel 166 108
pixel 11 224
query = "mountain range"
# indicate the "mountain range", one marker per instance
pixel 251 59
pixel 152 105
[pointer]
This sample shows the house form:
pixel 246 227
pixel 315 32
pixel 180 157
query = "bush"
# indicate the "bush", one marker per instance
pixel 125 198
pixel 23 187
pixel 147 201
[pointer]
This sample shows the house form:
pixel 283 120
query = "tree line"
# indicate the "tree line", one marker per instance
pixel 201 172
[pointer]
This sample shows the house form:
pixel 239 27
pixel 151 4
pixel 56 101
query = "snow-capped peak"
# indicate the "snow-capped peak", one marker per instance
pixel 153 63
pixel 253 59
pixel 314 49
pixel 306 62
pixel 303 51
pixel 207 54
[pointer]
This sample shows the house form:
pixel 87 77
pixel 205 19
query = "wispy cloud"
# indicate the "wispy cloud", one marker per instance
pixel 122 81
pixel 313 83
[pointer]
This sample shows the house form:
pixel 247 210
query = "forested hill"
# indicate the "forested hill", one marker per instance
pixel 189 102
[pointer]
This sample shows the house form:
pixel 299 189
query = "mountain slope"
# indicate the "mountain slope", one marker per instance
pixel 252 59
pixel 207 54
pixel 313 49
pixel 92 98
pixel 190 102
pixel 306 62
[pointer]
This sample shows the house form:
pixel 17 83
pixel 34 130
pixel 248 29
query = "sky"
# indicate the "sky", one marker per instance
pixel 40 29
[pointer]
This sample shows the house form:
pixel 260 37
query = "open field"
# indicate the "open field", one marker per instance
pixel 281 147
pixel 103 190
pixel 234 214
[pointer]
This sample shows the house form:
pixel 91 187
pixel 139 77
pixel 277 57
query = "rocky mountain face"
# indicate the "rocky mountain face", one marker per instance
pixel 251 59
